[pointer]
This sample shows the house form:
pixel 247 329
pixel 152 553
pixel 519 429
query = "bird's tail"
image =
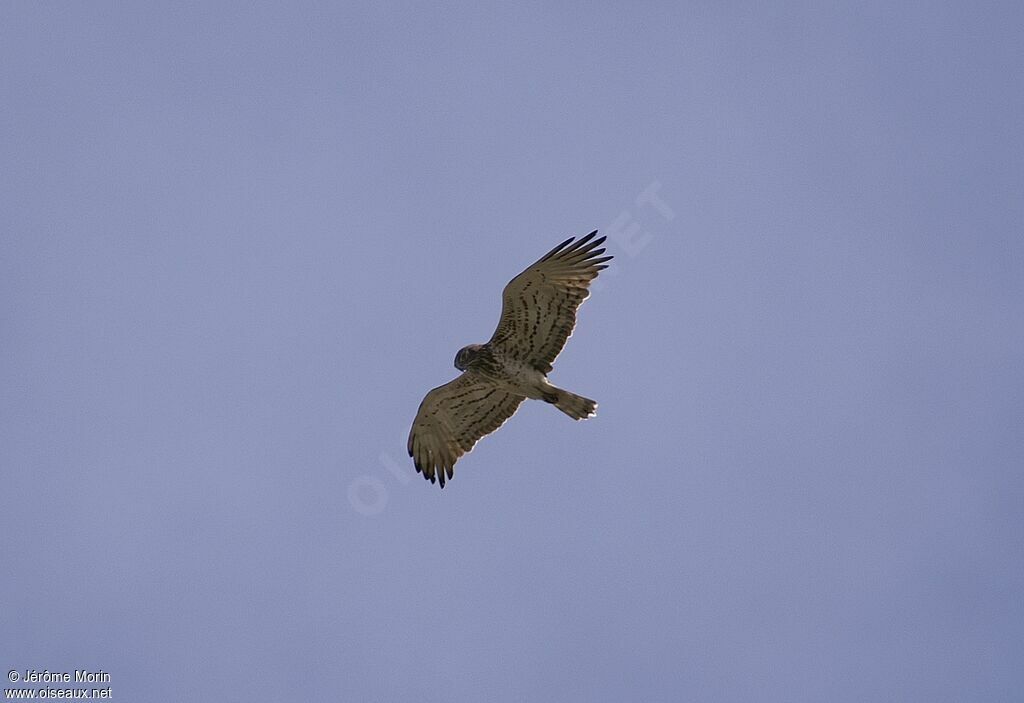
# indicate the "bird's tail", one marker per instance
pixel 575 406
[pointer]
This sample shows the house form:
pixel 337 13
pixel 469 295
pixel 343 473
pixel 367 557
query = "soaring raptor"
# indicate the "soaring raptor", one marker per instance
pixel 538 314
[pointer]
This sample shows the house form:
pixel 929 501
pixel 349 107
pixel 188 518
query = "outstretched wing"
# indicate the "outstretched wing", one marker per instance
pixel 538 310
pixel 452 418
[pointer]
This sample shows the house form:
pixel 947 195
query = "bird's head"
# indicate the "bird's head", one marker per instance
pixel 465 356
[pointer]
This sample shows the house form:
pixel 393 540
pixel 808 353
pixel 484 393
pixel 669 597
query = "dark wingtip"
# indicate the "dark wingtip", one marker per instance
pixel 556 249
pixel 576 243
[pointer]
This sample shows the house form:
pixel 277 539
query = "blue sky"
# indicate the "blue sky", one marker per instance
pixel 238 245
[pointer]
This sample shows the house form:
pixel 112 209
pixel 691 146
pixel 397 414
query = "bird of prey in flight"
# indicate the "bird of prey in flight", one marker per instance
pixel 538 314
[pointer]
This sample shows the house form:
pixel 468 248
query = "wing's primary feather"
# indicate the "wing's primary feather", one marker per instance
pixel 538 311
pixel 452 418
